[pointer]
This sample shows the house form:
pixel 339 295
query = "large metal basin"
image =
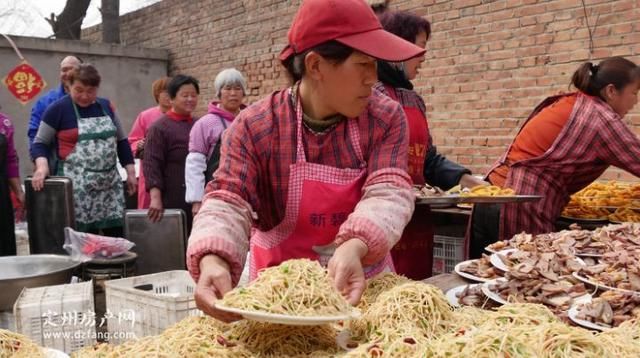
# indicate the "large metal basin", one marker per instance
pixel 18 272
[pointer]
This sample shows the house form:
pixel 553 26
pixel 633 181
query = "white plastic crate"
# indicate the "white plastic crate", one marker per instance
pixel 447 252
pixel 146 305
pixel 60 317
pixel 7 320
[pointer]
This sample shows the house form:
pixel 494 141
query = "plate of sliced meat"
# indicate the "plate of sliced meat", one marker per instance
pixel 557 295
pixel 617 270
pixel 479 270
pixel 498 246
pixel 547 264
pixel 606 311
pixel 469 295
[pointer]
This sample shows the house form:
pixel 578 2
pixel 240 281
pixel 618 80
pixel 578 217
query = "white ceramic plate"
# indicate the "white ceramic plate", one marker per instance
pixel 458 269
pixel 54 353
pixel 452 294
pixel 591 282
pixel 490 250
pixel 492 295
pixel 497 262
pixel 573 315
pixel 288 319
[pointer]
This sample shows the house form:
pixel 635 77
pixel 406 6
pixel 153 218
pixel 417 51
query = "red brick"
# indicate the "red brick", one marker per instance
pixel 488 62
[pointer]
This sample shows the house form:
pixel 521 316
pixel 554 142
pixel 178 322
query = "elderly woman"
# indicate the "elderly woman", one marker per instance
pixel 9 180
pixel 139 131
pixel 567 142
pixel 413 255
pixel 167 147
pixel 90 140
pixel 204 139
pixel 322 163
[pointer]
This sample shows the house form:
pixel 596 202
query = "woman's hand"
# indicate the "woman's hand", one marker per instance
pixel 345 268
pixel 214 282
pixel 469 181
pixel 40 174
pixel 132 182
pixel 140 148
pixel 156 210
pixel 195 207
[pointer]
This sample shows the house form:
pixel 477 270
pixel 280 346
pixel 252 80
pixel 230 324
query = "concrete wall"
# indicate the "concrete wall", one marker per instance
pixel 489 62
pixel 127 74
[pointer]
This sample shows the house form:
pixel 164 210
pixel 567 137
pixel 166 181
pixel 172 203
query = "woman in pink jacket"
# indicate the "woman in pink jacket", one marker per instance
pixel 139 131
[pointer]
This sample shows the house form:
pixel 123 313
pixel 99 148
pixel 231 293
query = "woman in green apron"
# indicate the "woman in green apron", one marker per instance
pixel 90 140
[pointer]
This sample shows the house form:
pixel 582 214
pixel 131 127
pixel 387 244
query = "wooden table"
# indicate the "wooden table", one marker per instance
pixel 446 281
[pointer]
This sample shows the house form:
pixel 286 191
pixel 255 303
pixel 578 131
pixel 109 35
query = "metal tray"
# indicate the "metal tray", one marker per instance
pixel 457 199
pixel 49 212
pixel 19 272
pixel 160 246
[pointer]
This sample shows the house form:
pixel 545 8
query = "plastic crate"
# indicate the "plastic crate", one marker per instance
pixel 146 305
pixel 447 252
pixel 7 320
pixel 60 317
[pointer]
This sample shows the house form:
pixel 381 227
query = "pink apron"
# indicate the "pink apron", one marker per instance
pixel 319 200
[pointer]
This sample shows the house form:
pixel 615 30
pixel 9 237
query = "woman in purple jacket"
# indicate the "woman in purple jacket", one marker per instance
pixel 9 180
pixel 204 148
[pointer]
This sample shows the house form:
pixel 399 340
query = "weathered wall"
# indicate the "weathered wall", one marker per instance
pixel 489 62
pixel 127 74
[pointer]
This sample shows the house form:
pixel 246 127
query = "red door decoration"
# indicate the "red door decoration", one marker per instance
pixel 24 82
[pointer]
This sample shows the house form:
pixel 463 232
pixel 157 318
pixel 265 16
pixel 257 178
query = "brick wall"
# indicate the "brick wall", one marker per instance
pixel 489 62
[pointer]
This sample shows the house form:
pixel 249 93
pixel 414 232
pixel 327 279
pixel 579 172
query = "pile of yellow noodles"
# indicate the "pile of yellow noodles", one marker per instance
pixel 410 310
pixel 381 283
pixel 296 287
pixel 400 318
pixel 17 345
pixel 191 337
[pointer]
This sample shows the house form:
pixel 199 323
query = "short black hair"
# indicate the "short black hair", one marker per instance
pixel 179 81
pixel 332 50
pixel 405 25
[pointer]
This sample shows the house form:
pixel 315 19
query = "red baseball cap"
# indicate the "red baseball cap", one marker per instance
pixel 350 22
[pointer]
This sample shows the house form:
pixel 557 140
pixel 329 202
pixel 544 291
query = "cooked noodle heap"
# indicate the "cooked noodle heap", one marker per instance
pixel 19 346
pixel 400 318
pixel 296 287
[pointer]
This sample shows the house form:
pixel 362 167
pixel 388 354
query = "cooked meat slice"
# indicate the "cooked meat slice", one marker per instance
pixel 558 301
pixel 634 280
pixel 607 313
pixel 550 288
pixel 596 269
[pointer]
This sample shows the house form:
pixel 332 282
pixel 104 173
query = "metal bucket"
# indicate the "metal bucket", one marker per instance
pixel 18 272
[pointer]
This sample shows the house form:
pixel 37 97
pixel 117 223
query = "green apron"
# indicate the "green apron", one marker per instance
pixel 97 187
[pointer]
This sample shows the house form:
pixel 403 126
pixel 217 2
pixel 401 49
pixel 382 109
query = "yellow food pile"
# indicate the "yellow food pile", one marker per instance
pixel 400 318
pixel 610 194
pixel 488 190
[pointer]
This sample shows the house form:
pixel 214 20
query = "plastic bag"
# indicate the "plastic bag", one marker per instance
pixel 84 247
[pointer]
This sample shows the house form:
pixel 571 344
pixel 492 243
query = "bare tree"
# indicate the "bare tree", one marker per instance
pixel 67 25
pixel 110 21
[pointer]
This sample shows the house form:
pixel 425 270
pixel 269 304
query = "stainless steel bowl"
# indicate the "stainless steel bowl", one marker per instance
pixel 18 272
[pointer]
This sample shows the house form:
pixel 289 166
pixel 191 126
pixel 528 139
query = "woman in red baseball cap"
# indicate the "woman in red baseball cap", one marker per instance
pixel 320 168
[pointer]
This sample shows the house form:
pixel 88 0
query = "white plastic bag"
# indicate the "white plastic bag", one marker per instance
pixel 84 247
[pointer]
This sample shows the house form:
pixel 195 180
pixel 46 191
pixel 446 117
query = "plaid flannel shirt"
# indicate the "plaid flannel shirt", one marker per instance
pixel 594 138
pixel 257 152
